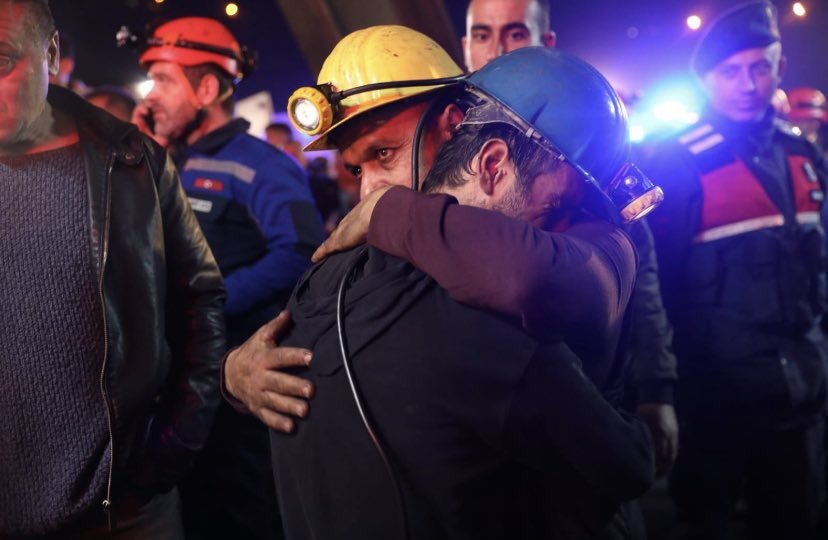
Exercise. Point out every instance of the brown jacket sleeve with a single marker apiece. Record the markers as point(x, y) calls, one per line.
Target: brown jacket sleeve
point(487, 260)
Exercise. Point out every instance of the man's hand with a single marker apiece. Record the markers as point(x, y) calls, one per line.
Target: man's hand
point(353, 229)
point(139, 118)
point(251, 374)
point(661, 419)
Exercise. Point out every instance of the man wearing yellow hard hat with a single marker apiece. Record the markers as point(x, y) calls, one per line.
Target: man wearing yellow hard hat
point(374, 125)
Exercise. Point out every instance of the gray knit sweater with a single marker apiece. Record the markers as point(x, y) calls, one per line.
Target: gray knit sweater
point(54, 442)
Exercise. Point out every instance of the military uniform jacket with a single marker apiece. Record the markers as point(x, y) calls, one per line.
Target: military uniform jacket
point(254, 204)
point(740, 246)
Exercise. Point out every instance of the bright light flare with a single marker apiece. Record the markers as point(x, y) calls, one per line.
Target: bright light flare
point(798, 9)
point(306, 114)
point(231, 9)
point(144, 88)
point(673, 112)
point(694, 22)
point(159, 1)
point(637, 133)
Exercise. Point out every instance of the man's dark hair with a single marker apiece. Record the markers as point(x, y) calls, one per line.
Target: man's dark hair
point(281, 128)
point(39, 19)
point(194, 74)
point(453, 161)
point(115, 97)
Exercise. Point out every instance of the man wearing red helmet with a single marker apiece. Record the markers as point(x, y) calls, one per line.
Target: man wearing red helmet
point(809, 112)
point(254, 204)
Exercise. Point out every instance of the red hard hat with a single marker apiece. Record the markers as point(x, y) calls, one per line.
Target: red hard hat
point(808, 103)
point(191, 41)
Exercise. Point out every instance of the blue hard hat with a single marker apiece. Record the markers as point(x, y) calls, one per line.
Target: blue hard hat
point(574, 109)
point(567, 100)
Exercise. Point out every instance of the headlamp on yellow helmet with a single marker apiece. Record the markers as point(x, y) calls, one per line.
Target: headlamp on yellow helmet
point(314, 109)
point(310, 109)
point(367, 69)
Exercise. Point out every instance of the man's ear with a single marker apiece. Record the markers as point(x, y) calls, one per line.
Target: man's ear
point(491, 164)
point(53, 54)
point(549, 39)
point(208, 90)
point(447, 122)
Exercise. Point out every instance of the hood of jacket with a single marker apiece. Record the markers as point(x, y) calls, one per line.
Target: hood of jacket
point(379, 290)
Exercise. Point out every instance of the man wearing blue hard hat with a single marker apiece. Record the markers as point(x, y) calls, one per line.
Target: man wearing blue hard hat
point(740, 245)
point(451, 455)
point(374, 133)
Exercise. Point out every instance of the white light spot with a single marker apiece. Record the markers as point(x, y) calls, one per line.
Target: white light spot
point(637, 133)
point(694, 22)
point(144, 88)
point(306, 114)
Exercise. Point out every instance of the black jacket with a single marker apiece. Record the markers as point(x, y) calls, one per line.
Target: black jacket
point(469, 409)
point(162, 299)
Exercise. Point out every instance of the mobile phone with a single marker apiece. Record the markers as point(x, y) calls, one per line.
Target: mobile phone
point(149, 119)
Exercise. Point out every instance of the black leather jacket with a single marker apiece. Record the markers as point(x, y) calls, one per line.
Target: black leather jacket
point(162, 299)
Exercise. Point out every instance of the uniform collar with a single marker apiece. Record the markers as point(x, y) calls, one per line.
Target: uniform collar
point(758, 134)
point(216, 140)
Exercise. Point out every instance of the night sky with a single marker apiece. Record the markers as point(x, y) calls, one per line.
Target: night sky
point(636, 43)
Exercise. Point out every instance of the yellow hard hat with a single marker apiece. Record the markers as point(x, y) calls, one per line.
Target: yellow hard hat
point(369, 68)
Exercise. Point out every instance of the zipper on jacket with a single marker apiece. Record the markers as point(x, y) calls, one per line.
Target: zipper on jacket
point(107, 502)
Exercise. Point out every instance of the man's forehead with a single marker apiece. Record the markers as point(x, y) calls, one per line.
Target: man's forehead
point(376, 129)
point(498, 12)
point(12, 22)
point(747, 57)
point(160, 68)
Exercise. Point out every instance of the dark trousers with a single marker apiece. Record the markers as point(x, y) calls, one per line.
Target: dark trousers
point(822, 528)
point(781, 475)
point(230, 491)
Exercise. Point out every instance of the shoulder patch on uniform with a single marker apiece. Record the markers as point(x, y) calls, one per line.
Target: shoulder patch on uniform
point(706, 143)
point(695, 134)
point(207, 165)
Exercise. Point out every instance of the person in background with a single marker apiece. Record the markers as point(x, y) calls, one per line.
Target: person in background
point(278, 134)
point(257, 212)
point(740, 245)
point(324, 191)
point(809, 113)
point(294, 150)
point(115, 100)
